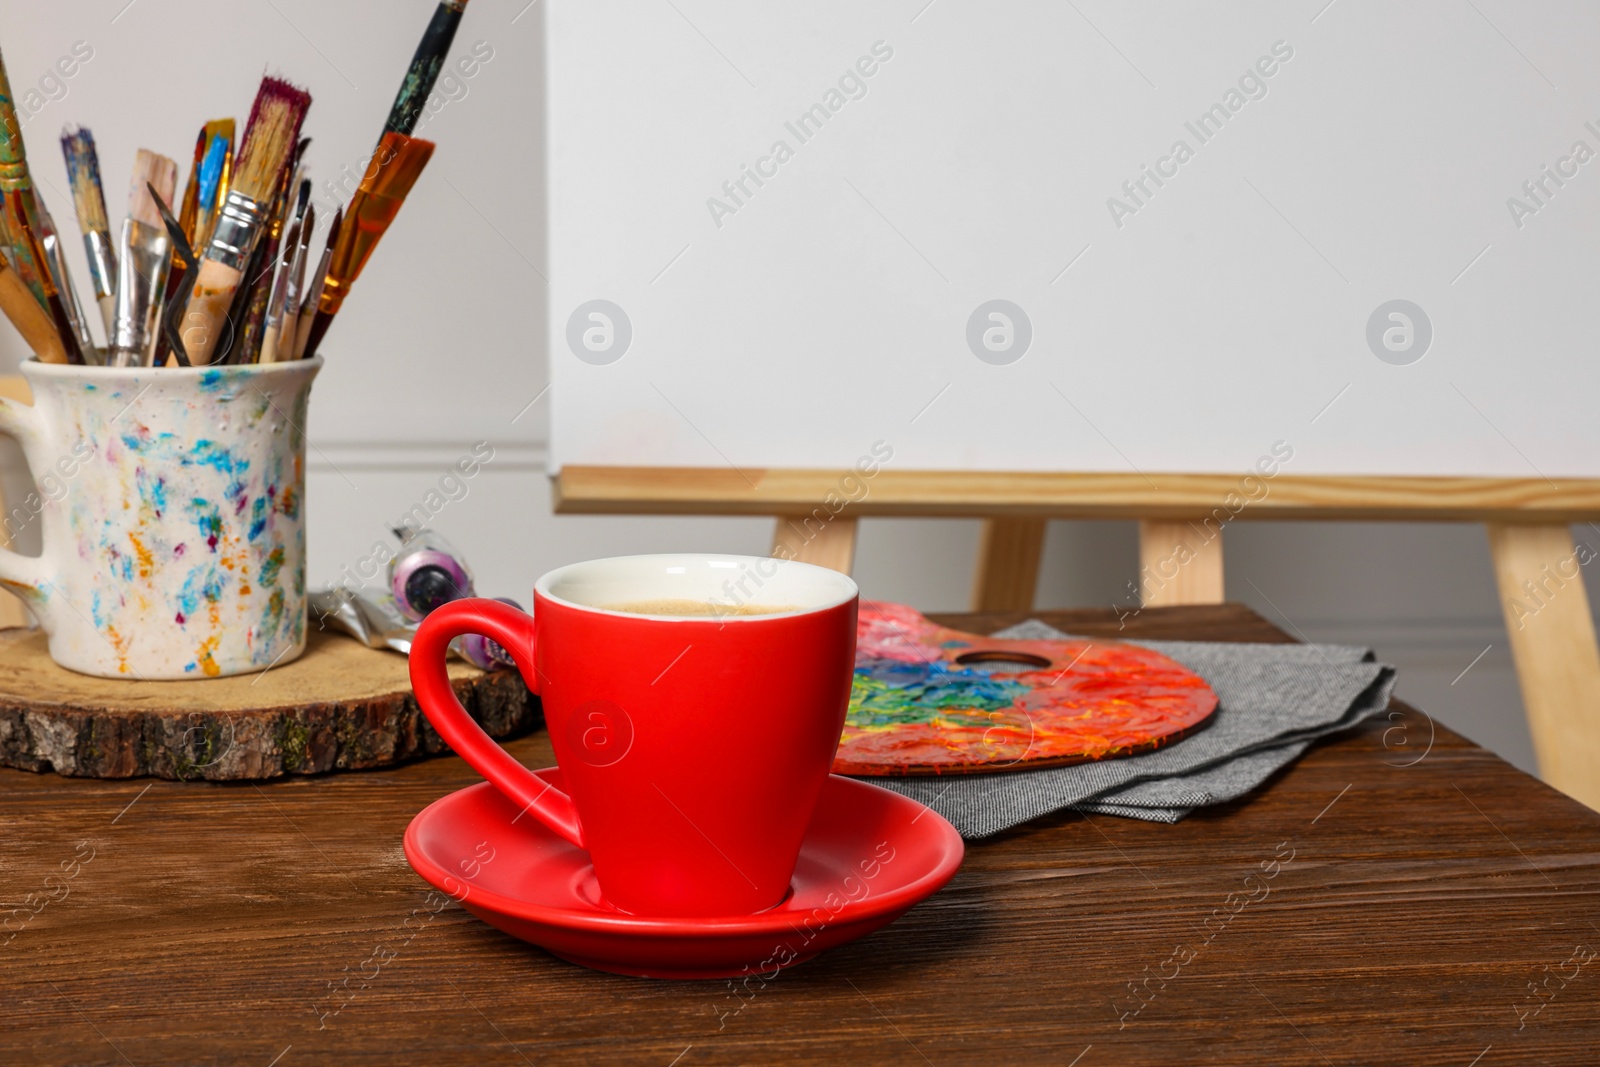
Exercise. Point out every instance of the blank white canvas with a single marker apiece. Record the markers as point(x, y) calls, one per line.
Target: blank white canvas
point(1192, 329)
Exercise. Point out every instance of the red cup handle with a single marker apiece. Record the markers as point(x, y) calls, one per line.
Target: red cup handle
point(515, 632)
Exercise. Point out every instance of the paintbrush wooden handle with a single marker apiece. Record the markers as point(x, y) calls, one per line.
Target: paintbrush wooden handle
point(205, 323)
point(288, 345)
point(302, 329)
point(17, 301)
point(269, 344)
point(108, 311)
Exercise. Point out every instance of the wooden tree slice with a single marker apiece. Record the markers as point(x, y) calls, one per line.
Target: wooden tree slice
point(340, 706)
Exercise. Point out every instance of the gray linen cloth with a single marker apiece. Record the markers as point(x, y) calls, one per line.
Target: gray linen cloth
point(1273, 701)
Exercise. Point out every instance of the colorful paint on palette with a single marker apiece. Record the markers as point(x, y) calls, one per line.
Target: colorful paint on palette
point(930, 700)
point(174, 540)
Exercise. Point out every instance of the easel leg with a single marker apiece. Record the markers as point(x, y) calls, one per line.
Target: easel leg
point(1008, 564)
point(1179, 563)
point(830, 544)
point(1553, 643)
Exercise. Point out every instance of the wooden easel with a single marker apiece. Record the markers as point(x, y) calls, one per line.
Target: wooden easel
point(1558, 664)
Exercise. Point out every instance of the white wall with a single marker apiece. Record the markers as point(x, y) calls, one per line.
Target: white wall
point(415, 377)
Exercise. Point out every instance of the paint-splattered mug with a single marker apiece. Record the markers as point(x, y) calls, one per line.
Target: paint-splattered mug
point(172, 511)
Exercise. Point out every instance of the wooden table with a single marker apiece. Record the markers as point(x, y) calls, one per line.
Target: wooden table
point(1428, 888)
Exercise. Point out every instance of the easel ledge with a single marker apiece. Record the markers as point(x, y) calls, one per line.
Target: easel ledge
point(589, 490)
point(1181, 518)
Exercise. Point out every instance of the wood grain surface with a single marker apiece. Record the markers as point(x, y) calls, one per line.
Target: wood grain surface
point(1430, 884)
point(1009, 551)
point(826, 540)
point(1180, 563)
point(1066, 495)
point(339, 706)
point(1551, 632)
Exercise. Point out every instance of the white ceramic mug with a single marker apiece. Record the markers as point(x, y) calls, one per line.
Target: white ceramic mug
point(172, 510)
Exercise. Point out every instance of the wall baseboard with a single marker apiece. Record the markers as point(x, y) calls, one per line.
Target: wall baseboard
point(425, 458)
point(1410, 638)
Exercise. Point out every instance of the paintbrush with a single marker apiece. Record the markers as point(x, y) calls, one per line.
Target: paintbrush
point(188, 217)
point(319, 281)
point(208, 180)
point(216, 177)
point(295, 288)
point(56, 260)
point(184, 255)
point(21, 210)
point(302, 202)
point(391, 174)
point(142, 262)
point(425, 65)
point(269, 138)
point(25, 236)
point(250, 305)
point(83, 169)
point(189, 209)
point(275, 303)
point(28, 317)
point(283, 310)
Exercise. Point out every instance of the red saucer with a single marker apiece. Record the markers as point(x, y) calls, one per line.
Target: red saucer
point(869, 856)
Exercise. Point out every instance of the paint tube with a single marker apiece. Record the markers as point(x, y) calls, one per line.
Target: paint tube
point(482, 652)
point(427, 573)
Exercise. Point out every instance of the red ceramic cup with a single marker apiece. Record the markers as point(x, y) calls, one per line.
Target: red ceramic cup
point(693, 747)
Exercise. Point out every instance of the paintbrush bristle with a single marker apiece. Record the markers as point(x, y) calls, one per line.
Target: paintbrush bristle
point(334, 227)
point(269, 138)
point(151, 169)
point(199, 155)
point(83, 170)
point(291, 242)
point(218, 158)
point(211, 171)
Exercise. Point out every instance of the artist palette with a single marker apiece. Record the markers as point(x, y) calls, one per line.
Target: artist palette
point(929, 700)
point(869, 856)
